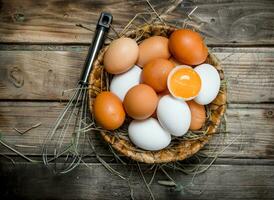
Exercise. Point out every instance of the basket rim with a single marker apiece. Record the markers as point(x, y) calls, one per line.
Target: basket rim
point(185, 148)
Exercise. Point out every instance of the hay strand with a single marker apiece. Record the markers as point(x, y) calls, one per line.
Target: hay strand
point(144, 179)
point(32, 127)
point(159, 17)
point(5, 144)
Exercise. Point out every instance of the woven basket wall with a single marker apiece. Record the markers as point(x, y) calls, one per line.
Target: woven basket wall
point(182, 149)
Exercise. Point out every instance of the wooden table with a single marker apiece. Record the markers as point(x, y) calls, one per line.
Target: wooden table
point(41, 54)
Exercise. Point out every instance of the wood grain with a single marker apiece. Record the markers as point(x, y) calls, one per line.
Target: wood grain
point(229, 22)
point(249, 73)
point(34, 75)
point(53, 21)
point(249, 140)
point(219, 182)
point(39, 74)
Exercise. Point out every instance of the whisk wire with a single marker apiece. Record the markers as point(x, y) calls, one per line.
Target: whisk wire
point(74, 114)
point(68, 120)
point(72, 122)
point(74, 159)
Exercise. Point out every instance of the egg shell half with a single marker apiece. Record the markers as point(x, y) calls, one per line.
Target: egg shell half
point(210, 84)
point(148, 134)
point(174, 115)
point(184, 83)
point(121, 83)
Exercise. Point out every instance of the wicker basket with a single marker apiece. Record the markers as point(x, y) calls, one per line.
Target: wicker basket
point(183, 149)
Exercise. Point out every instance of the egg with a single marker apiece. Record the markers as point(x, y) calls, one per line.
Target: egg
point(140, 101)
point(174, 115)
point(210, 84)
point(108, 111)
point(148, 134)
point(151, 48)
point(121, 83)
point(155, 73)
point(121, 55)
point(188, 47)
point(198, 115)
point(184, 82)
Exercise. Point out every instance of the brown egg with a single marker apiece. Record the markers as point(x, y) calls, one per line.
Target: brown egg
point(155, 73)
point(140, 101)
point(151, 48)
point(108, 111)
point(188, 47)
point(198, 115)
point(121, 55)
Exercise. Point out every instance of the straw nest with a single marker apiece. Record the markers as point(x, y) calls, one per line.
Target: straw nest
point(180, 148)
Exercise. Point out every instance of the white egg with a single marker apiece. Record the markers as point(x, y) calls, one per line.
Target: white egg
point(210, 83)
point(148, 134)
point(174, 115)
point(121, 83)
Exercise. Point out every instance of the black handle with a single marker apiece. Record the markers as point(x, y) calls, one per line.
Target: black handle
point(102, 28)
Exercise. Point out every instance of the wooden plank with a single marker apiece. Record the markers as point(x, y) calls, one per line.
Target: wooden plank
point(26, 180)
point(249, 129)
point(252, 125)
point(39, 74)
point(249, 73)
point(35, 74)
point(55, 21)
point(229, 22)
point(225, 22)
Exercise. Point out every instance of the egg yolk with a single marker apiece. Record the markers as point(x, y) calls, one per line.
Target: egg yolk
point(184, 83)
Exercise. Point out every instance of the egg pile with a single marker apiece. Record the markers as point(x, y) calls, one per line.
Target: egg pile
point(162, 84)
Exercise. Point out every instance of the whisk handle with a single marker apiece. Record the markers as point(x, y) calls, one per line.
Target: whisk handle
point(102, 28)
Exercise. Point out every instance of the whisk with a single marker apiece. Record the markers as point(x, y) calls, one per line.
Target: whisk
point(72, 122)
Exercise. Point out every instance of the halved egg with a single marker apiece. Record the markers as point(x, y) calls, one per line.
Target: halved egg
point(184, 82)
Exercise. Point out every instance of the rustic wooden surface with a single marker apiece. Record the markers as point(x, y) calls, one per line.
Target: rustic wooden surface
point(41, 54)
